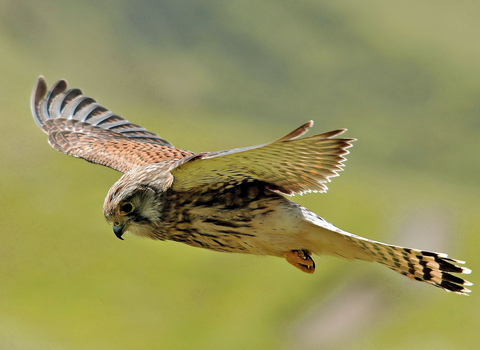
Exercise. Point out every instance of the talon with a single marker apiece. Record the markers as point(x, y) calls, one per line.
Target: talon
point(301, 259)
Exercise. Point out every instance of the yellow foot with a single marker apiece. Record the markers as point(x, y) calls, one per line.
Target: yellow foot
point(301, 260)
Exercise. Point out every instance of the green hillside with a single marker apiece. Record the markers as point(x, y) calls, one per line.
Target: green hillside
point(403, 77)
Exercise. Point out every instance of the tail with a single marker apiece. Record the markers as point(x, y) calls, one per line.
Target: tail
point(419, 265)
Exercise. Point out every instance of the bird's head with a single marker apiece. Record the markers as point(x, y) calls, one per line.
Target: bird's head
point(134, 203)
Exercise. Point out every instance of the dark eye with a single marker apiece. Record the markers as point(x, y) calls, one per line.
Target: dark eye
point(126, 208)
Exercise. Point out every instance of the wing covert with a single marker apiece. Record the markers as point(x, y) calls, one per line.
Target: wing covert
point(77, 125)
point(291, 166)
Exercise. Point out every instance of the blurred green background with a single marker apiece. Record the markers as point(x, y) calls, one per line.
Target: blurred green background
point(403, 77)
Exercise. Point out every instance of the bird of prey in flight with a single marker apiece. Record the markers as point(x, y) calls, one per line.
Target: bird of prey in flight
point(228, 201)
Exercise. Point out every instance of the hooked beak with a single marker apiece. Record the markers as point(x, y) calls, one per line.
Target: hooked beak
point(118, 230)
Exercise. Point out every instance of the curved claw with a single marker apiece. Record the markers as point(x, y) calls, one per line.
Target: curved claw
point(301, 259)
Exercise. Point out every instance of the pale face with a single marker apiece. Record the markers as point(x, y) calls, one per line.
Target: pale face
point(133, 210)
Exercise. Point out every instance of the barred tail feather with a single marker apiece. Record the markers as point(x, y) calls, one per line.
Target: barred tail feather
point(419, 265)
point(323, 238)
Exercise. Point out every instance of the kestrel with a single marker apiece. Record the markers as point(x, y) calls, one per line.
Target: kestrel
point(228, 201)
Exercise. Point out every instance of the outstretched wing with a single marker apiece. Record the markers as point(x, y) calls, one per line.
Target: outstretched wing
point(78, 126)
point(290, 166)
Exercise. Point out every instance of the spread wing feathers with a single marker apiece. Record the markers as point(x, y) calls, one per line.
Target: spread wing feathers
point(290, 166)
point(77, 125)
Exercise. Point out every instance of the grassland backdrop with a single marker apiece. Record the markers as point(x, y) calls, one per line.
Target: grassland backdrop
point(403, 77)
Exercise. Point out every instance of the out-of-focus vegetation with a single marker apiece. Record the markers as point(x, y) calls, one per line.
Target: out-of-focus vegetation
point(403, 77)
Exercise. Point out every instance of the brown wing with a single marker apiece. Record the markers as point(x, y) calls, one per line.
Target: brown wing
point(290, 166)
point(77, 125)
